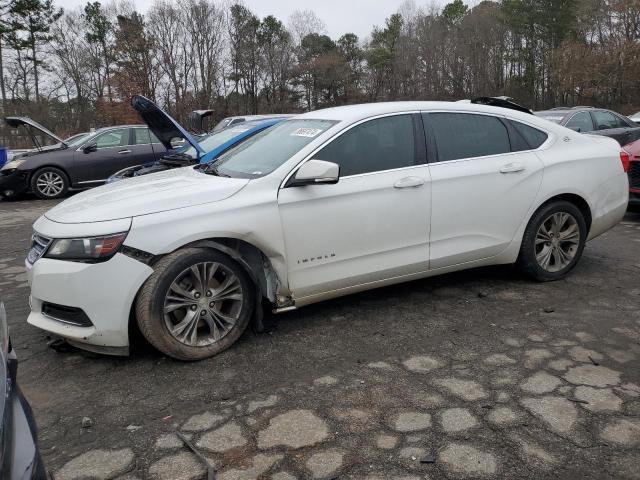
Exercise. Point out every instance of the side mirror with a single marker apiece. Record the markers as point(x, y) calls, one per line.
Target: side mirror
point(315, 172)
point(92, 147)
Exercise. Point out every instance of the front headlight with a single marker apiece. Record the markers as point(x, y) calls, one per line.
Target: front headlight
point(93, 249)
point(13, 164)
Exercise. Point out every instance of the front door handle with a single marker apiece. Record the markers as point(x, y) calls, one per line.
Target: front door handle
point(512, 168)
point(409, 182)
point(121, 152)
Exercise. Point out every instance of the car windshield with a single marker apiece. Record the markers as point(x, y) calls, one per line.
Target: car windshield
point(224, 123)
point(267, 150)
point(76, 140)
point(213, 141)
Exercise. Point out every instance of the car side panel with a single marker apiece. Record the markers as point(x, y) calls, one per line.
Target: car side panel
point(589, 167)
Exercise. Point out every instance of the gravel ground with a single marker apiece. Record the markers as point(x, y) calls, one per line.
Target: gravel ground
point(479, 374)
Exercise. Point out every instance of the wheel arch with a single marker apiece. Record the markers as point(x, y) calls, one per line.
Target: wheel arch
point(576, 200)
point(251, 258)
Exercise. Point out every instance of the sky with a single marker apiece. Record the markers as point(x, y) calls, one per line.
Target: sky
point(340, 16)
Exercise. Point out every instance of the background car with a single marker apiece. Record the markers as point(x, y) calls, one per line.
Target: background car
point(596, 121)
point(633, 171)
point(86, 162)
point(20, 459)
point(230, 121)
point(201, 149)
point(635, 118)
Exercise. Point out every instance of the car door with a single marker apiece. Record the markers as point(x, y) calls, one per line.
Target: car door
point(632, 129)
point(145, 148)
point(374, 223)
point(481, 188)
point(608, 124)
point(102, 155)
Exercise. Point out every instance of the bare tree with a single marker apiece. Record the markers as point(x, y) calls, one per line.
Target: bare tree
point(206, 37)
point(168, 25)
point(305, 22)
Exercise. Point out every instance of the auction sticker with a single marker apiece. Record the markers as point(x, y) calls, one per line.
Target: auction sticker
point(307, 132)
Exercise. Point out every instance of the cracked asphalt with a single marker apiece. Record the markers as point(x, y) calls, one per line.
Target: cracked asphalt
point(478, 374)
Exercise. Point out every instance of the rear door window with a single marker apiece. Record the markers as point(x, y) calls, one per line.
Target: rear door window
point(141, 136)
point(466, 135)
point(580, 122)
point(606, 120)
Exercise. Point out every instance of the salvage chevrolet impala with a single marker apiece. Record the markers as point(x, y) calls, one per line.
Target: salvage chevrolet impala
point(321, 205)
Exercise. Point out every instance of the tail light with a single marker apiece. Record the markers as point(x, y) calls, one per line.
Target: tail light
point(624, 158)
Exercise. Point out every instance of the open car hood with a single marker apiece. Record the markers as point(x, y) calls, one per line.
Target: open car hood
point(161, 124)
point(504, 102)
point(15, 122)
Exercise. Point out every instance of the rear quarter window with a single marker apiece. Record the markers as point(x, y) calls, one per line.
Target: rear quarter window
point(533, 137)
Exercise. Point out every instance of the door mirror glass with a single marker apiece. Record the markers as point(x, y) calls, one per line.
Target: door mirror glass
point(91, 147)
point(316, 172)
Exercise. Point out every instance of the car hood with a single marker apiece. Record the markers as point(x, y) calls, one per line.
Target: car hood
point(161, 123)
point(15, 122)
point(158, 192)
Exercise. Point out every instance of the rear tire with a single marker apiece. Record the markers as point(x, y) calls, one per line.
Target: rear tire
point(49, 183)
point(196, 304)
point(553, 241)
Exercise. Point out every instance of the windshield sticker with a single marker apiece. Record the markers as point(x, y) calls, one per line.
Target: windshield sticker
point(307, 132)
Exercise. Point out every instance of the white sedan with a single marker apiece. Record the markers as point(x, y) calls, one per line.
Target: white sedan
point(321, 205)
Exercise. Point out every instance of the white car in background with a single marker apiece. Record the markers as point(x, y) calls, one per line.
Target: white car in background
point(321, 205)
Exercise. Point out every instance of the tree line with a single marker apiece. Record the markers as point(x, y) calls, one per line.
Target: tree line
point(75, 70)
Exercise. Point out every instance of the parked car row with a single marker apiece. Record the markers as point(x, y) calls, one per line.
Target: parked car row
point(314, 207)
point(90, 159)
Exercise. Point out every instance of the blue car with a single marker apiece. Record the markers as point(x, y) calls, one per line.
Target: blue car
point(195, 150)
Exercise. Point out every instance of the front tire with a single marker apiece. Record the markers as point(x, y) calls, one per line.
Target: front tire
point(553, 241)
point(196, 304)
point(49, 183)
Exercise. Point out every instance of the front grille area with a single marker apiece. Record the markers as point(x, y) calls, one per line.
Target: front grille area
point(62, 313)
point(39, 245)
point(634, 174)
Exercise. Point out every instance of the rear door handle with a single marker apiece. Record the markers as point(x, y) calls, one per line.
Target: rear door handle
point(512, 168)
point(124, 151)
point(409, 182)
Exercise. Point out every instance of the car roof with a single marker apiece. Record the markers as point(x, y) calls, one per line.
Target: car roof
point(354, 113)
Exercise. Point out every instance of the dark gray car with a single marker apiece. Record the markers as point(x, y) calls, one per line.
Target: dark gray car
point(595, 121)
point(51, 171)
point(19, 454)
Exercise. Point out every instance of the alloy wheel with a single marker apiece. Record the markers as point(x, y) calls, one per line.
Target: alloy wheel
point(557, 241)
point(203, 304)
point(50, 184)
